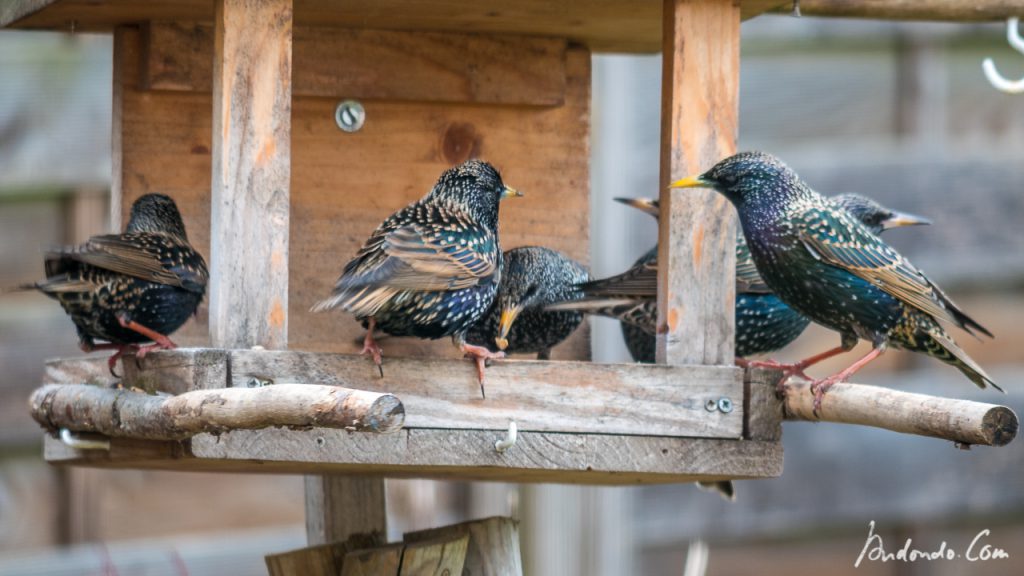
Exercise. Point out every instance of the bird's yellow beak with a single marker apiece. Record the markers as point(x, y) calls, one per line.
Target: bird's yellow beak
point(510, 192)
point(903, 219)
point(508, 317)
point(691, 182)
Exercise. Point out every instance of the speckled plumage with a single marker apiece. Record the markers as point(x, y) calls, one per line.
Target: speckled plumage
point(149, 276)
point(431, 269)
point(531, 278)
point(829, 267)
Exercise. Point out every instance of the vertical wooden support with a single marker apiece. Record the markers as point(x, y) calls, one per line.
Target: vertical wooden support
point(696, 254)
point(251, 149)
point(339, 506)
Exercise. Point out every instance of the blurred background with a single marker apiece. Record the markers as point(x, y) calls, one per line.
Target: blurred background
point(900, 112)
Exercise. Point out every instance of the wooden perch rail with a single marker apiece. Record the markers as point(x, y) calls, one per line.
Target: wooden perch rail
point(961, 421)
point(130, 414)
point(936, 10)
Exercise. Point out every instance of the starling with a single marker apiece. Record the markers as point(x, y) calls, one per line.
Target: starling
point(531, 278)
point(829, 267)
point(131, 288)
point(431, 269)
point(763, 322)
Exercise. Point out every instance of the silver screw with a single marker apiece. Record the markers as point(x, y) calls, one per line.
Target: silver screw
point(725, 405)
point(255, 382)
point(711, 405)
point(349, 115)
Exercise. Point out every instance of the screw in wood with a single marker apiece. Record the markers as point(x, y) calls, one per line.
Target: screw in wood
point(725, 405)
point(349, 115)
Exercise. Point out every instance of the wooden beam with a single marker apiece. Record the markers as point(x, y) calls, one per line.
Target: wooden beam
point(436, 557)
point(129, 414)
point(961, 421)
point(252, 103)
point(696, 240)
point(493, 546)
point(936, 10)
point(380, 561)
point(595, 459)
point(321, 560)
point(378, 64)
point(339, 507)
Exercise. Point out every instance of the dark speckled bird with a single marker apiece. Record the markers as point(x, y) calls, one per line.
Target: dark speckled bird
point(831, 268)
point(131, 288)
point(531, 278)
point(764, 323)
point(431, 269)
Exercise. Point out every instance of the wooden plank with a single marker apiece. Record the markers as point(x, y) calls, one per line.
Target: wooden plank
point(762, 405)
point(538, 396)
point(493, 547)
point(252, 103)
point(938, 10)
point(344, 184)
point(382, 561)
point(696, 241)
point(446, 454)
point(321, 560)
point(620, 26)
point(379, 64)
point(438, 557)
point(339, 507)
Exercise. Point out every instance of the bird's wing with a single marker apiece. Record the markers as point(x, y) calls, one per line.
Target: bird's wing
point(151, 257)
point(838, 240)
point(640, 281)
point(748, 279)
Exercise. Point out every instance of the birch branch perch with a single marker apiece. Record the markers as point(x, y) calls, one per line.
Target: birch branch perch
point(129, 414)
point(962, 421)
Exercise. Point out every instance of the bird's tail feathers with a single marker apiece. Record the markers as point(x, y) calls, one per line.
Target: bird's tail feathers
point(361, 301)
point(597, 306)
point(941, 346)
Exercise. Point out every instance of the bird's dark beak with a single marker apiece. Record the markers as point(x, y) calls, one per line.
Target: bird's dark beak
point(508, 317)
point(692, 182)
point(897, 219)
point(647, 205)
point(510, 192)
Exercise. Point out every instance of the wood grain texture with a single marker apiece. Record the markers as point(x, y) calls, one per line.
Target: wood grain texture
point(378, 64)
point(961, 421)
point(251, 154)
point(340, 507)
point(493, 548)
point(440, 556)
point(538, 396)
point(131, 414)
point(445, 454)
point(320, 560)
point(343, 184)
point(381, 561)
point(763, 406)
point(619, 26)
point(696, 239)
point(939, 10)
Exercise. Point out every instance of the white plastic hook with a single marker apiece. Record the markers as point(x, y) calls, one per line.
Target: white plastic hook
point(509, 440)
point(68, 437)
point(989, 67)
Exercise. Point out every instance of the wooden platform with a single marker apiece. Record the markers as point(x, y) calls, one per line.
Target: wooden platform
point(620, 26)
point(616, 424)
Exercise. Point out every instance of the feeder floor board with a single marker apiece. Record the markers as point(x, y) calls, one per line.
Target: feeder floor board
point(619, 26)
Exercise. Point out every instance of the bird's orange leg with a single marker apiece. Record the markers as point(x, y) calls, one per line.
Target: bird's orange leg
point(371, 347)
point(820, 387)
point(160, 341)
point(112, 361)
point(797, 368)
point(481, 355)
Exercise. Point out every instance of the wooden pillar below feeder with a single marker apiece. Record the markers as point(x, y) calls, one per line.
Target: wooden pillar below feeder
point(252, 99)
point(338, 507)
point(697, 237)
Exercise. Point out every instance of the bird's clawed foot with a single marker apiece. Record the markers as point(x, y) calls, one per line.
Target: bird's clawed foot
point(371, 347)
point(819, 388)
point(788, 370)
point(162, 343)
point(481, 355)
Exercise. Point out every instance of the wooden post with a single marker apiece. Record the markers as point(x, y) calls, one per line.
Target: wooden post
point(697, 236)
point(338, 507)
point(251, 148)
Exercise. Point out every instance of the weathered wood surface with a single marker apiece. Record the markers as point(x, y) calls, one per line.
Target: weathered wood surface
point(962, 421)
point(339, 507)
point(940, 10)
point(132, 414)
point(322, 560)
point(344, 184)
point(445, 454)
point(441, 556)
point(696, 239)
point(493, 548)
point(538, 396)
point(378, 64)
point(762, 405)
point(251, 151)
point(381, 561)
point(621, 26)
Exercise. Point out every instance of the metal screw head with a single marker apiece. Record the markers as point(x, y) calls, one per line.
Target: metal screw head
point(257, 382)
point(711, 405)
point(349, 115)
point(725, 405)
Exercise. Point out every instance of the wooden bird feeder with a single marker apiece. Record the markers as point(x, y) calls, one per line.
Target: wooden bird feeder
point(287, 129)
